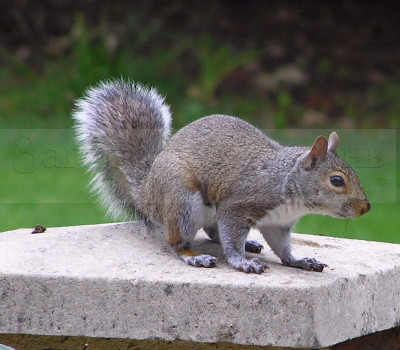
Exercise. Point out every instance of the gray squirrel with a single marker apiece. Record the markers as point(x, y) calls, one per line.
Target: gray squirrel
point(218, 173)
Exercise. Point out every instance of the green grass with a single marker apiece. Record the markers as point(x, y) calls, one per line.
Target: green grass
point(42, 180)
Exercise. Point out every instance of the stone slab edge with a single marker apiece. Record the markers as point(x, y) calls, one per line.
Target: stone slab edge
point(112, 281)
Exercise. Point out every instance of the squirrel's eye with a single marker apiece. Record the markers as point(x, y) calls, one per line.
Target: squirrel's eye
point(337, 181)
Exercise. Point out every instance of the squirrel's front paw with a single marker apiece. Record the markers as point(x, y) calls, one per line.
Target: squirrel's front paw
point(250, 266)
point(309, 264)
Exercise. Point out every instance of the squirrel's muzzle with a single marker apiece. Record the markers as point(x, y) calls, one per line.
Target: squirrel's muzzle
point(361, 208)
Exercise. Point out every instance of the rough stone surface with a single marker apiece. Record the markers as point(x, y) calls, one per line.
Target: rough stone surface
point(114, 281)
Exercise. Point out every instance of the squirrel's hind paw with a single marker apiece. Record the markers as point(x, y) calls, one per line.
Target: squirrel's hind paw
point(250, 266)
point(192, 259)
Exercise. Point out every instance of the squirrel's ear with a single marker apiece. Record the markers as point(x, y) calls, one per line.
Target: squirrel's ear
point(316, 154)
point(333, 142)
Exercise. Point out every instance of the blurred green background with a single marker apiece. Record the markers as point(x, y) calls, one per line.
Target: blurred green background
point(289, 68)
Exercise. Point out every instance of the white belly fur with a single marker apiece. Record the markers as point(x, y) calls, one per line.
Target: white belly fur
point(205, 214)
point(284, 214)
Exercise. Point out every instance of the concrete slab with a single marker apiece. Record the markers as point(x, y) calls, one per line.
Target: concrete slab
point(113, 281)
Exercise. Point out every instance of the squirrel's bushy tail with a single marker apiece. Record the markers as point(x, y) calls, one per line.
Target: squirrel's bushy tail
point(121, 127)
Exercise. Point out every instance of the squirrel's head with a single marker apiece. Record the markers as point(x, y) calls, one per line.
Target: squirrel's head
point(331, 186)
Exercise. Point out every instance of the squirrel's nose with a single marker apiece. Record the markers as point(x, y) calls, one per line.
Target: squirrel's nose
point(365, 208)
point(360, 208)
